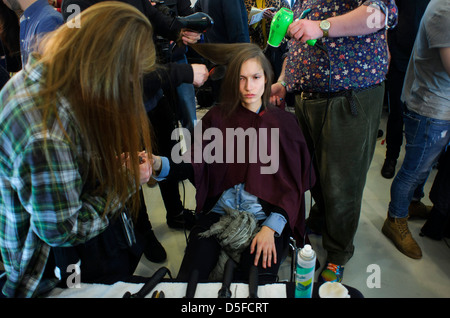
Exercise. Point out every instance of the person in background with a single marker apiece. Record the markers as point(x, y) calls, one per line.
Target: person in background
point(164, 25)
point(401, 42)
point(10, 60)
point(37, 19)
point(230, 20)
point(437, 225)
point(177, 104)
point(73, 134)
point(426, 95)
point(339, 91)
point(230, 26)
point(174, 52)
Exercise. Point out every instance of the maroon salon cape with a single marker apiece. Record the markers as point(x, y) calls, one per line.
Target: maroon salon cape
point(284, 188)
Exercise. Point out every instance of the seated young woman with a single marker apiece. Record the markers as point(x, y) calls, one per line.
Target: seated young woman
point(250, 166)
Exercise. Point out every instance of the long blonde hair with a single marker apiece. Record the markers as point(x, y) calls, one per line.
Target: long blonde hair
point(98, 68)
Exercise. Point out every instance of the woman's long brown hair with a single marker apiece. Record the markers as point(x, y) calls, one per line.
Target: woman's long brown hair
point(98, 67)
point(233, 56)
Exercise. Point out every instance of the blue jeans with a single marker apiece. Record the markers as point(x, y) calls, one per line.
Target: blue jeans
point(426, 139)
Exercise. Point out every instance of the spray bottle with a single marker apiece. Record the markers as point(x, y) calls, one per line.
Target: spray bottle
point(304, 278)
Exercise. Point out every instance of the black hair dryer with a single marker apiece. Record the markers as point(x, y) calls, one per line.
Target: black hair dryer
point(199, 22)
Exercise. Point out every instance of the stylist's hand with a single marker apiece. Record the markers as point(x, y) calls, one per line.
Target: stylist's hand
point(157, 164)
point(304, 30)
point(145, 168)
point(264, 246)
point(189, 37)
point(201, 74)
point(277, 94)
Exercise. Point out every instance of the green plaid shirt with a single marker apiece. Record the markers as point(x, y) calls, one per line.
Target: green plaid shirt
point(43, 199)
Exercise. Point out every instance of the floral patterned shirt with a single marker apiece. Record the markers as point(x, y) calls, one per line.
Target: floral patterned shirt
point(355, 61)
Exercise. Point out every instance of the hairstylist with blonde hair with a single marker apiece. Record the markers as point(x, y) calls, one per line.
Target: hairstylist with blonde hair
point(65, 122)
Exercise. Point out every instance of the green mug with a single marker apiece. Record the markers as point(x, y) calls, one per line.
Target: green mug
point(279, 25)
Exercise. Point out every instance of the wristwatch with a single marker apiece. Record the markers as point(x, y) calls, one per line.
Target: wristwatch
point(325, 27)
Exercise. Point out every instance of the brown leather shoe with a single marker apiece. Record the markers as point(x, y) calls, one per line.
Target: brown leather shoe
point(419, 210)
point(396, 229)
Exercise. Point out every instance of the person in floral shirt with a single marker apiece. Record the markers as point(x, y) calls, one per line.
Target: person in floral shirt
point(339, 87)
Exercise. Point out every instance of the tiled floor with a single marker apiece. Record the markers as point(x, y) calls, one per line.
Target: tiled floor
point(377, 269)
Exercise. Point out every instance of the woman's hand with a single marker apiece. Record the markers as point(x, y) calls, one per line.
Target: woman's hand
point(145, 168)
point(189, 37)
point(264, 243)
point(277, 94)
point(201, 74)
point(157, 164)
point(303, 30)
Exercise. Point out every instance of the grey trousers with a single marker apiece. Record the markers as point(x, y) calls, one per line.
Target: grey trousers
point(342, 144)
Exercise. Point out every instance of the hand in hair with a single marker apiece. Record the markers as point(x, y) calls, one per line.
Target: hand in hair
point(145, 166)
